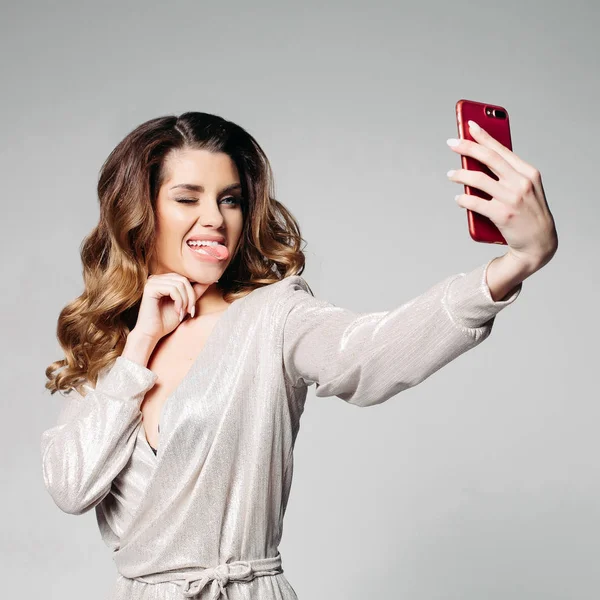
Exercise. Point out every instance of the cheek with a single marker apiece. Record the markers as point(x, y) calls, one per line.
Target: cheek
point(171, 229)
point(235, 222)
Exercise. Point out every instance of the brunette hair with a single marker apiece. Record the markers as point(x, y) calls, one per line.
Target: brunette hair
point(93, 328)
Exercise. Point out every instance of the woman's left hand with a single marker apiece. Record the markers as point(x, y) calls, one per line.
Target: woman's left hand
point(518, 204)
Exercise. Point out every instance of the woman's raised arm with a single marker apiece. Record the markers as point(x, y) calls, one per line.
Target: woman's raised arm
point(366, 358)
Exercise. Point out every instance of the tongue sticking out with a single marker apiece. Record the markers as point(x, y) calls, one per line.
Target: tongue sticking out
point(221, 252)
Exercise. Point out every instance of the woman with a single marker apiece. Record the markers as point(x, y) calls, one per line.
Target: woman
point(188, 362)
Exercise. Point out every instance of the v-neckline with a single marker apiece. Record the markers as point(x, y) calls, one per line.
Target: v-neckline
point(192, 368)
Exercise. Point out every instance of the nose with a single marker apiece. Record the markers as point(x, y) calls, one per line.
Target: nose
point(209, 215)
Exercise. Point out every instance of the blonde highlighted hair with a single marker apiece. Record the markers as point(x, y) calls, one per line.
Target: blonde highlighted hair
point(93, 328)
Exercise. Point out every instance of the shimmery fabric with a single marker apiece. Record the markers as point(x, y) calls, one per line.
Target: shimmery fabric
point(203, 517)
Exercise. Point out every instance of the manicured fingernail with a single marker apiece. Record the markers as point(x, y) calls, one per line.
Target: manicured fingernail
point(193, 311)
point(473, 125)
point(450, 172)
point(181, 315)
point(452, 142)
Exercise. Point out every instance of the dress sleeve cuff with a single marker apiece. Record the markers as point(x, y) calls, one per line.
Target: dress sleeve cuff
point(469, 301)
point(126, 379)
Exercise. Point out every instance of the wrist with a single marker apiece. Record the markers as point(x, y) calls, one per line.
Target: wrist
point(525, 265)
point(504, 275)
point(139, 347)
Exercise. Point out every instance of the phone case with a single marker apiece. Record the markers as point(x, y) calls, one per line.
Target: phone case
point(490, 118)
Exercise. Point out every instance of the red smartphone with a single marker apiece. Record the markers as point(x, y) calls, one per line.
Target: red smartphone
point(494, 119)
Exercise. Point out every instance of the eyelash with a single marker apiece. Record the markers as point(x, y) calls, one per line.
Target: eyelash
point(192, 201)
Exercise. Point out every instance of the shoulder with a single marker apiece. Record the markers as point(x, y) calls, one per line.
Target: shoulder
point(290, 291)
point(277, 299)
point(274, 301)
point(282, 289)
point(292, 283)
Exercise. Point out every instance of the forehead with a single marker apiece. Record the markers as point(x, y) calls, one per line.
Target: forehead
point(200, 167)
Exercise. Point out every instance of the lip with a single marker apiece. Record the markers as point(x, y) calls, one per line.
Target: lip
point(210, 238)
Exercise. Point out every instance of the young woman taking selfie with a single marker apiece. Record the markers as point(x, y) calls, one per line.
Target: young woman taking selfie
point(188, 355)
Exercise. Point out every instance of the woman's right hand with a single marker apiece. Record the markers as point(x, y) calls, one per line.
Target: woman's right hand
point(166, 300)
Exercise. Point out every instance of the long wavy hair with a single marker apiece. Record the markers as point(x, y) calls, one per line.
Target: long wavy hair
point(93, 328)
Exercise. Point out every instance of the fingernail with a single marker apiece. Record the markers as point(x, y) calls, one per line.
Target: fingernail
point(473, 125)
point(193, 311)
point(181, 315)
point(452, 142)
point(450, 172)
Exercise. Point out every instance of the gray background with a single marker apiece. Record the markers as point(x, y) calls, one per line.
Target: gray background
point(482, 481)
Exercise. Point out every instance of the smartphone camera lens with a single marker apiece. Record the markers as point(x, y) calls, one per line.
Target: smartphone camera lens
point(495, 113)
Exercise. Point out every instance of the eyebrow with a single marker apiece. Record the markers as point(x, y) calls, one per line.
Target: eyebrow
point(192, 187)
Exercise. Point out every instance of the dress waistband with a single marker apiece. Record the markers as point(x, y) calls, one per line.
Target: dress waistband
point(193, 582)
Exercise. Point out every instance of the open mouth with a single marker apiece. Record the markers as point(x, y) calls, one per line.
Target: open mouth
point(212, 250)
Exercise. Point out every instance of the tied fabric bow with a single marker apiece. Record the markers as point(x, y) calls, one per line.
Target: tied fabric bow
point(220, 575)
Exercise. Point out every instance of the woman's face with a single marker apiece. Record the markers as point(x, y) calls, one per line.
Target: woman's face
point(208, 184)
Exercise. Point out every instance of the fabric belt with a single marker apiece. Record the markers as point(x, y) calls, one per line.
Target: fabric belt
point(193, 582)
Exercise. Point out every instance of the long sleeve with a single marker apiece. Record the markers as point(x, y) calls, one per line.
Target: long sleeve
point(366, 358)
point(92, 441)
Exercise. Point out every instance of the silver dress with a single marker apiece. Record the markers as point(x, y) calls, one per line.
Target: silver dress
point(203, 517)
